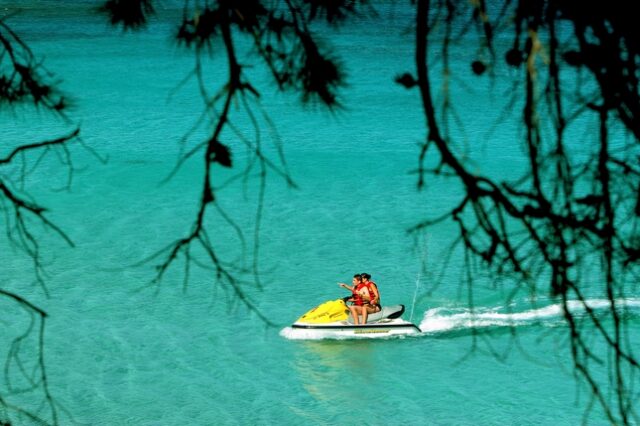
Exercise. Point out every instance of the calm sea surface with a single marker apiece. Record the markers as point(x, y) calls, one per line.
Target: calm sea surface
point(121, 351)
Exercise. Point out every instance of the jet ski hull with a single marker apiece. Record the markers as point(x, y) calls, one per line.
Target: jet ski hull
point(345, 330)
point(332, 320)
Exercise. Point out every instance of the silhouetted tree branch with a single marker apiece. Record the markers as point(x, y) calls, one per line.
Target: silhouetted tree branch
point(24, 80)
point(564, 213)
point(286, 46)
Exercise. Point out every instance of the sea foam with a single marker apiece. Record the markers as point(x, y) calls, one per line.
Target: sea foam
point(438, 320)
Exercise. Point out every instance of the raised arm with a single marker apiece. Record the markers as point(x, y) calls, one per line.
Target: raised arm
point(343, 285)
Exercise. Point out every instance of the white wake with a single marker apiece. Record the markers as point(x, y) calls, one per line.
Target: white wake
point(438, 320)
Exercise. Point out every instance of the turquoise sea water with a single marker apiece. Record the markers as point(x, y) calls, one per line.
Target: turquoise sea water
point(120, 351)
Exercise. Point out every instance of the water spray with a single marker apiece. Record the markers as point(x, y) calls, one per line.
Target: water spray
point(423, 260)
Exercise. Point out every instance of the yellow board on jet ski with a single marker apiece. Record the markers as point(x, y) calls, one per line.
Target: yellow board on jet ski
point(331, 311)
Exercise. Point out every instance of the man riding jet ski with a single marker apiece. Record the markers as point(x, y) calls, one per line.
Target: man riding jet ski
point(365, 297)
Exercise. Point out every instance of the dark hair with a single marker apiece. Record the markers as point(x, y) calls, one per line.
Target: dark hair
point(365, 275)
point(358, 276)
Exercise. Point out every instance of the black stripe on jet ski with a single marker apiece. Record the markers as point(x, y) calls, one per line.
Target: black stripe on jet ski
point(353, 327)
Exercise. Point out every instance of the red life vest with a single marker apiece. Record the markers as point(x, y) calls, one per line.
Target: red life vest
point(357, 298)
point(371, 286)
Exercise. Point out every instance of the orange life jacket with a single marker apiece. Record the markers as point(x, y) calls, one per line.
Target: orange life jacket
point(373, 286)
point(357, 298)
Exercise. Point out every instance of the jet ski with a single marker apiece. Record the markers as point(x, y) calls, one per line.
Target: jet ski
point(333, 320)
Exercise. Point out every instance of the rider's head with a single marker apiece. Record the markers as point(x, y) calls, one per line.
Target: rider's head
point(365, 276)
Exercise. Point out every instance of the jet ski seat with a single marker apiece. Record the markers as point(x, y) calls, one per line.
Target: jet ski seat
point(387, 312)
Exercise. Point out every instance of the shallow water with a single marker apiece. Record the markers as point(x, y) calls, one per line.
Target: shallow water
point(120, 351)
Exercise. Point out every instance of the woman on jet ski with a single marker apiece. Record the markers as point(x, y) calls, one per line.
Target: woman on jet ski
point(374, 294)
